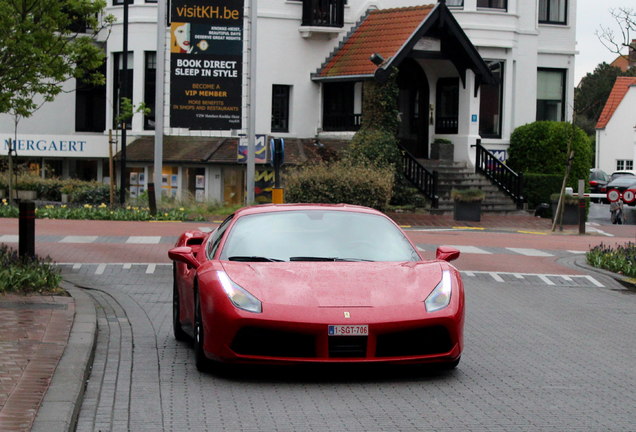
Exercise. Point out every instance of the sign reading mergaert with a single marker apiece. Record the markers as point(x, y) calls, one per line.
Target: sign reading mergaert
point(206, 58)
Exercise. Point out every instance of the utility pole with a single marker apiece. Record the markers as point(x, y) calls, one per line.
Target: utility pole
point(159, 95)
point(123, 89)
point(251, 124)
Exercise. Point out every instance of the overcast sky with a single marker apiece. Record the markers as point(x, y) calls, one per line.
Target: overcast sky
point(591, 14)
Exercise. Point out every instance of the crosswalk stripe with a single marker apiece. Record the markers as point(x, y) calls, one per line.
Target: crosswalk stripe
point(143, 240)
point(545, 279)
point(471, 250)
point(78, 239)
point(151, 268)
point(530, 252)
point(496, 277)
point(100, 269)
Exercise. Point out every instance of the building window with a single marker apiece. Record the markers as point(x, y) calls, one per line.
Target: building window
point(624, 164)
point(492, 4)
point(90, 105)
point(280, 108)
point(118, 92)
point(323, 13)
point(551, 94)
point(150, 84)
point(455, 3)
point(447, 112)
point(340, 111)
point(121, 2)
point(491, 103)
point(553, 11)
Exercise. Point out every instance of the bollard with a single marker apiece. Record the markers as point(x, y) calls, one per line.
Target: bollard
point(278, 196)
point(581, 206)
point(26, 242)
point(152, 200)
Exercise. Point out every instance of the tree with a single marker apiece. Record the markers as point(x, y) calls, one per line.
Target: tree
point(592, 93)
point(626, 20)
point(44, 43)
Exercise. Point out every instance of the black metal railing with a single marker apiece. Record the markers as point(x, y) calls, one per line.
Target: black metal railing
point(422, 178)
point(323, 13)
point(341, 122)
point(500, 174)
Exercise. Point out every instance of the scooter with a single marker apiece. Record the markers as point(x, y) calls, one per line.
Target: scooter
point(616, 212)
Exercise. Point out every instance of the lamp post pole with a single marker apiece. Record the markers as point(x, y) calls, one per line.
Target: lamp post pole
point(123, 92)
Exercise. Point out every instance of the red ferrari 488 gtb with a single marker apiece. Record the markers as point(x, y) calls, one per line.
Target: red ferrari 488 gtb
point(299, 283)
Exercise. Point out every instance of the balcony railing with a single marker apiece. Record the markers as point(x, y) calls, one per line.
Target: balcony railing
point(323, 13)
point(341, 122)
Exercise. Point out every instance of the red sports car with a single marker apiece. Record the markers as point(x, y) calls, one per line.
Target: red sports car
point(298, 283)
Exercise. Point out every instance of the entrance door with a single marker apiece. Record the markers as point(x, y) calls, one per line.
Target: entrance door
point(413, 106)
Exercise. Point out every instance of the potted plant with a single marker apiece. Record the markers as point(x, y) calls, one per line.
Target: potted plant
point(467, 204)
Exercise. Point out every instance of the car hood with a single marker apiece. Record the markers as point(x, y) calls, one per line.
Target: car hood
point(337, 284)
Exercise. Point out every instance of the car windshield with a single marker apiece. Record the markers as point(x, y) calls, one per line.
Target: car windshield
point(316, 235)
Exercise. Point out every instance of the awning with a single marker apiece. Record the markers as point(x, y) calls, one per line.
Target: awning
point(428, 31)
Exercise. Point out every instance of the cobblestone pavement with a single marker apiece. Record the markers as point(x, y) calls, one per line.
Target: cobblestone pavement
point(33, 335)
point(549, 353)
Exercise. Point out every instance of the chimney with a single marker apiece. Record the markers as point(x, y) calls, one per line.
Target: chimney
point(631, 57)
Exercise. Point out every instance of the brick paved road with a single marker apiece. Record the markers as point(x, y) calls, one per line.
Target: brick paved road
point(548, 353)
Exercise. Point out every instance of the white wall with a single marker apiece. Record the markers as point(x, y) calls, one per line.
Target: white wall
point(618, 140)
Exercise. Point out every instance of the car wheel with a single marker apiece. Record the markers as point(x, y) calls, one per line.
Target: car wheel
point(200, 360)
point(179, 334)
point(451, 365)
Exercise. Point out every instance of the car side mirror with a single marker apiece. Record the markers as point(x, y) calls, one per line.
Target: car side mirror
point(446, 253)
point(185, 255)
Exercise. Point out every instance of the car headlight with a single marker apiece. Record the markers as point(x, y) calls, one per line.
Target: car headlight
point(238, 295)
point(441, 295)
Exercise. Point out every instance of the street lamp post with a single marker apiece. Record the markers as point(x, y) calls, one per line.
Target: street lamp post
point(123, 90)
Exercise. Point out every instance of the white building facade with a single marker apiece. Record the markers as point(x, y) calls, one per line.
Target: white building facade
point(527, 45)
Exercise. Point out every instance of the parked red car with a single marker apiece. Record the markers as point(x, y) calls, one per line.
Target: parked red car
point(292, 284)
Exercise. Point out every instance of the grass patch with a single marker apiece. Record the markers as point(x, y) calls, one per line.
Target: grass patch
point(620, 259)
point(27, 274)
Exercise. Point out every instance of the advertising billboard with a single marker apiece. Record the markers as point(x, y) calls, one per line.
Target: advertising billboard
point(206, 64)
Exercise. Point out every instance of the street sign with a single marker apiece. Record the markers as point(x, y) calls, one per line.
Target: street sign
point(613, 195)
point(629, 196)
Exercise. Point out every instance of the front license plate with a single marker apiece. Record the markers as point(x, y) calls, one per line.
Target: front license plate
point(348, 330)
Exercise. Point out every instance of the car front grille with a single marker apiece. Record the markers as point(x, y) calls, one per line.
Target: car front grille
point(415, 342)
point(348, 346)
point(273, 343)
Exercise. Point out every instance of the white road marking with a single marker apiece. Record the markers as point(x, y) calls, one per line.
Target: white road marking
point(127, 266)
point(100, 269)
point(206, 229)
point(530, 252)
point(471, 250)
point(77, 266)
point(151, 268)
point(496, 277)
point(594, 281)
point(78, 239)
point(143, 240)
point(545, 279)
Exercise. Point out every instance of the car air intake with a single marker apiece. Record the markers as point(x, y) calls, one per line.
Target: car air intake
point(348, 346)
point(273, 343)
point(415, 342)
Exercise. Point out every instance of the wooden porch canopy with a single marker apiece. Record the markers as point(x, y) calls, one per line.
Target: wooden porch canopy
point(420, 32)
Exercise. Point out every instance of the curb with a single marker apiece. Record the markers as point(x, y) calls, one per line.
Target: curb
point(625, 281)
point(61, 404)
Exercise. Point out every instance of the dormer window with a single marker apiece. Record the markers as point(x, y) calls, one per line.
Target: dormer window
point(323, 13)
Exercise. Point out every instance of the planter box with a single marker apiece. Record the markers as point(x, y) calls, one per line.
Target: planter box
point(570, 213)
point(27, 195)
point(442, 151)
point(467, 211)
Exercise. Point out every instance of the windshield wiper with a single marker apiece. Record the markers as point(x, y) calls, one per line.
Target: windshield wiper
point(308, 258)
point(253, 259)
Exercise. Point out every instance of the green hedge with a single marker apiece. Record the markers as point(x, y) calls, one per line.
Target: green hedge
point(340, 182)
point(537, 188)
point(541, 148)
point(51, 189)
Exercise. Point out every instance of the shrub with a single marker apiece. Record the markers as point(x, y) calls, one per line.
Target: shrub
point(27, 274)
point(340, 182)
point(468, 195)
point(621, 259)
point(541, 148)
point(538, 188)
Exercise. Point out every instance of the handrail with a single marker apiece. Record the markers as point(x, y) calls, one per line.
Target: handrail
point(422, 178)
point(500, 174)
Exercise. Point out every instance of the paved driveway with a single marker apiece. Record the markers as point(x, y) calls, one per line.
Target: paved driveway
point(549, 353)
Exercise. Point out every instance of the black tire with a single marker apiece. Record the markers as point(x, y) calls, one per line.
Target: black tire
point(177, 329)
point(200, 360)
point(451, 365)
